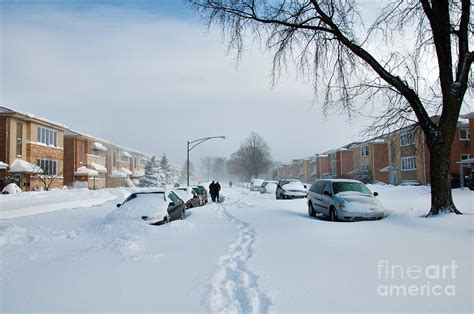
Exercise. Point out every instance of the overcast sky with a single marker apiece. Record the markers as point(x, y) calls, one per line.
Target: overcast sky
point(150, 77)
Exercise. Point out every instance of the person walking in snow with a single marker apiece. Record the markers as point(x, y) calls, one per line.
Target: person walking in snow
point(218, 188)
point(212, 190)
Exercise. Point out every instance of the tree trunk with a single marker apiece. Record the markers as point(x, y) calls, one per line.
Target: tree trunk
point(440, 160)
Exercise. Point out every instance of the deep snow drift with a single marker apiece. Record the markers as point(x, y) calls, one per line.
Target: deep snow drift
point(251, 253)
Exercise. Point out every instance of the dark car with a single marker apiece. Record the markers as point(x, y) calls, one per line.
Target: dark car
point(188, 195)
point(290, 188)
point(154, 207)
point(202, 193)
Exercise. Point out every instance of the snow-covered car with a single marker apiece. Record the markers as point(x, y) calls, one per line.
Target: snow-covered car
point(153, 207)
point(189, 196)
point(269, 187)
point(341, 199)
point(290, 188)
point(256, 184)
point(201, 192)
point(11, 188)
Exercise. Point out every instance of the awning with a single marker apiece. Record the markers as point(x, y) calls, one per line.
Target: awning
point(466, 161)
point(138, 174)
point(126, 171)
point(126, 154)
point(84, 171)
point(98, 167)
point(99, 146)
point(3, 165)
point(118, 174)
point(22, 166)
point(388, 168)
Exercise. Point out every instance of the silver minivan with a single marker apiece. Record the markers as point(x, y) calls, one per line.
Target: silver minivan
point(343, 199)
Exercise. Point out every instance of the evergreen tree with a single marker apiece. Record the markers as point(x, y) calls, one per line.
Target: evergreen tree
point(152, 173)
point(165, 172)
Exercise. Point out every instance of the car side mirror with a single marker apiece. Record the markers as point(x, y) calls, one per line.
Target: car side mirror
point(327, 193)
point(376, 193)
point(118, 205)
point(171, 204)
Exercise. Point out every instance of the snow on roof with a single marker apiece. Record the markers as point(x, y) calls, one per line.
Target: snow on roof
point(126, 154)
point(3, 165)
point(99, 146)
point(98, 167)
point(126, 171)
point(118, 174)
point(86, 171)
point(23, 166)
point(138, 174)
point(32, 116)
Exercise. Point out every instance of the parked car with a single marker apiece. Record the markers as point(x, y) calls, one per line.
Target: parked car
point(153, 207)
point(256, 184)
point(269, 187)
point(343, 199)
point(189, 196)
point(11, 188)
point(201, 192)
point(290, 188)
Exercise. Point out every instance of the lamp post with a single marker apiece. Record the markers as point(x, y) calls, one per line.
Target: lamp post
point(193, 144)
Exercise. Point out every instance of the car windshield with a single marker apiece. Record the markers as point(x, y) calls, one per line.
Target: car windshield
point(339, 187)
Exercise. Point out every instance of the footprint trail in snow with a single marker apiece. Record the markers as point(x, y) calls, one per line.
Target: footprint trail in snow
point(234, 287)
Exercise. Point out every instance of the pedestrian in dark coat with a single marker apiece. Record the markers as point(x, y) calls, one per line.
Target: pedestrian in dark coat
point(212, 190)
point(218, 188)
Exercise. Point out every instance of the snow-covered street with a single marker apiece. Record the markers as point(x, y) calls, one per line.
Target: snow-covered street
point(251, 253)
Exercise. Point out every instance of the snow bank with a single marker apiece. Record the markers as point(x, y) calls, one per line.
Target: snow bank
point(32, 203)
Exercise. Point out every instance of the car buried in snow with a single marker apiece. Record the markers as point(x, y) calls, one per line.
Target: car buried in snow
point(343, 199)
point(269, 187)
point(290, 188)
point(201, 192)
point(188, 195)
point(153, 207)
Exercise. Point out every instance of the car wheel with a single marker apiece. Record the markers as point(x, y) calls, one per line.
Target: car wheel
point(311, 210)
point(333, 214)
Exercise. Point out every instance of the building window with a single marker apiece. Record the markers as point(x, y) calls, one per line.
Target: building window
point(364, 151)
point(142, 162)
point(19, 139)
point(365, 168)
point(407, 139)
point(81, 152)
point(408, 163)
point(96, 152)
point(114, 158)
point(124, 158)
point(47, 136)
point(465, 156)
point(464, 135)
point(49, 167)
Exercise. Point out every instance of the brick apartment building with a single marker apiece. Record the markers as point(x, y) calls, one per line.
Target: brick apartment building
point(33, 148)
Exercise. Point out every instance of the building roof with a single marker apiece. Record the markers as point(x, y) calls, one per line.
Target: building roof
point(28, 116)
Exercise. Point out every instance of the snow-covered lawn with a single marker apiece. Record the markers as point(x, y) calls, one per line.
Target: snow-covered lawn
point(251, 253)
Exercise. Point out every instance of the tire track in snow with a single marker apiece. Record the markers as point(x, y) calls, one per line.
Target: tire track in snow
point(234, 287)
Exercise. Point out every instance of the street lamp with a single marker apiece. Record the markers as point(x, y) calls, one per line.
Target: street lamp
point(196, 143)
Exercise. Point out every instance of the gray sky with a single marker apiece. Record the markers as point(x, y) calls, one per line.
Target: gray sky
point(152, 79)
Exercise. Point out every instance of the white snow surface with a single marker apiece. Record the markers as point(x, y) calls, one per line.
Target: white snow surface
point(19, 165)
point(249, 254)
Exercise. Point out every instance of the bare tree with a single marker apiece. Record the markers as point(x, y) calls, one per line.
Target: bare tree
point(328, 41)
point(252, 158)
point(48, 171)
